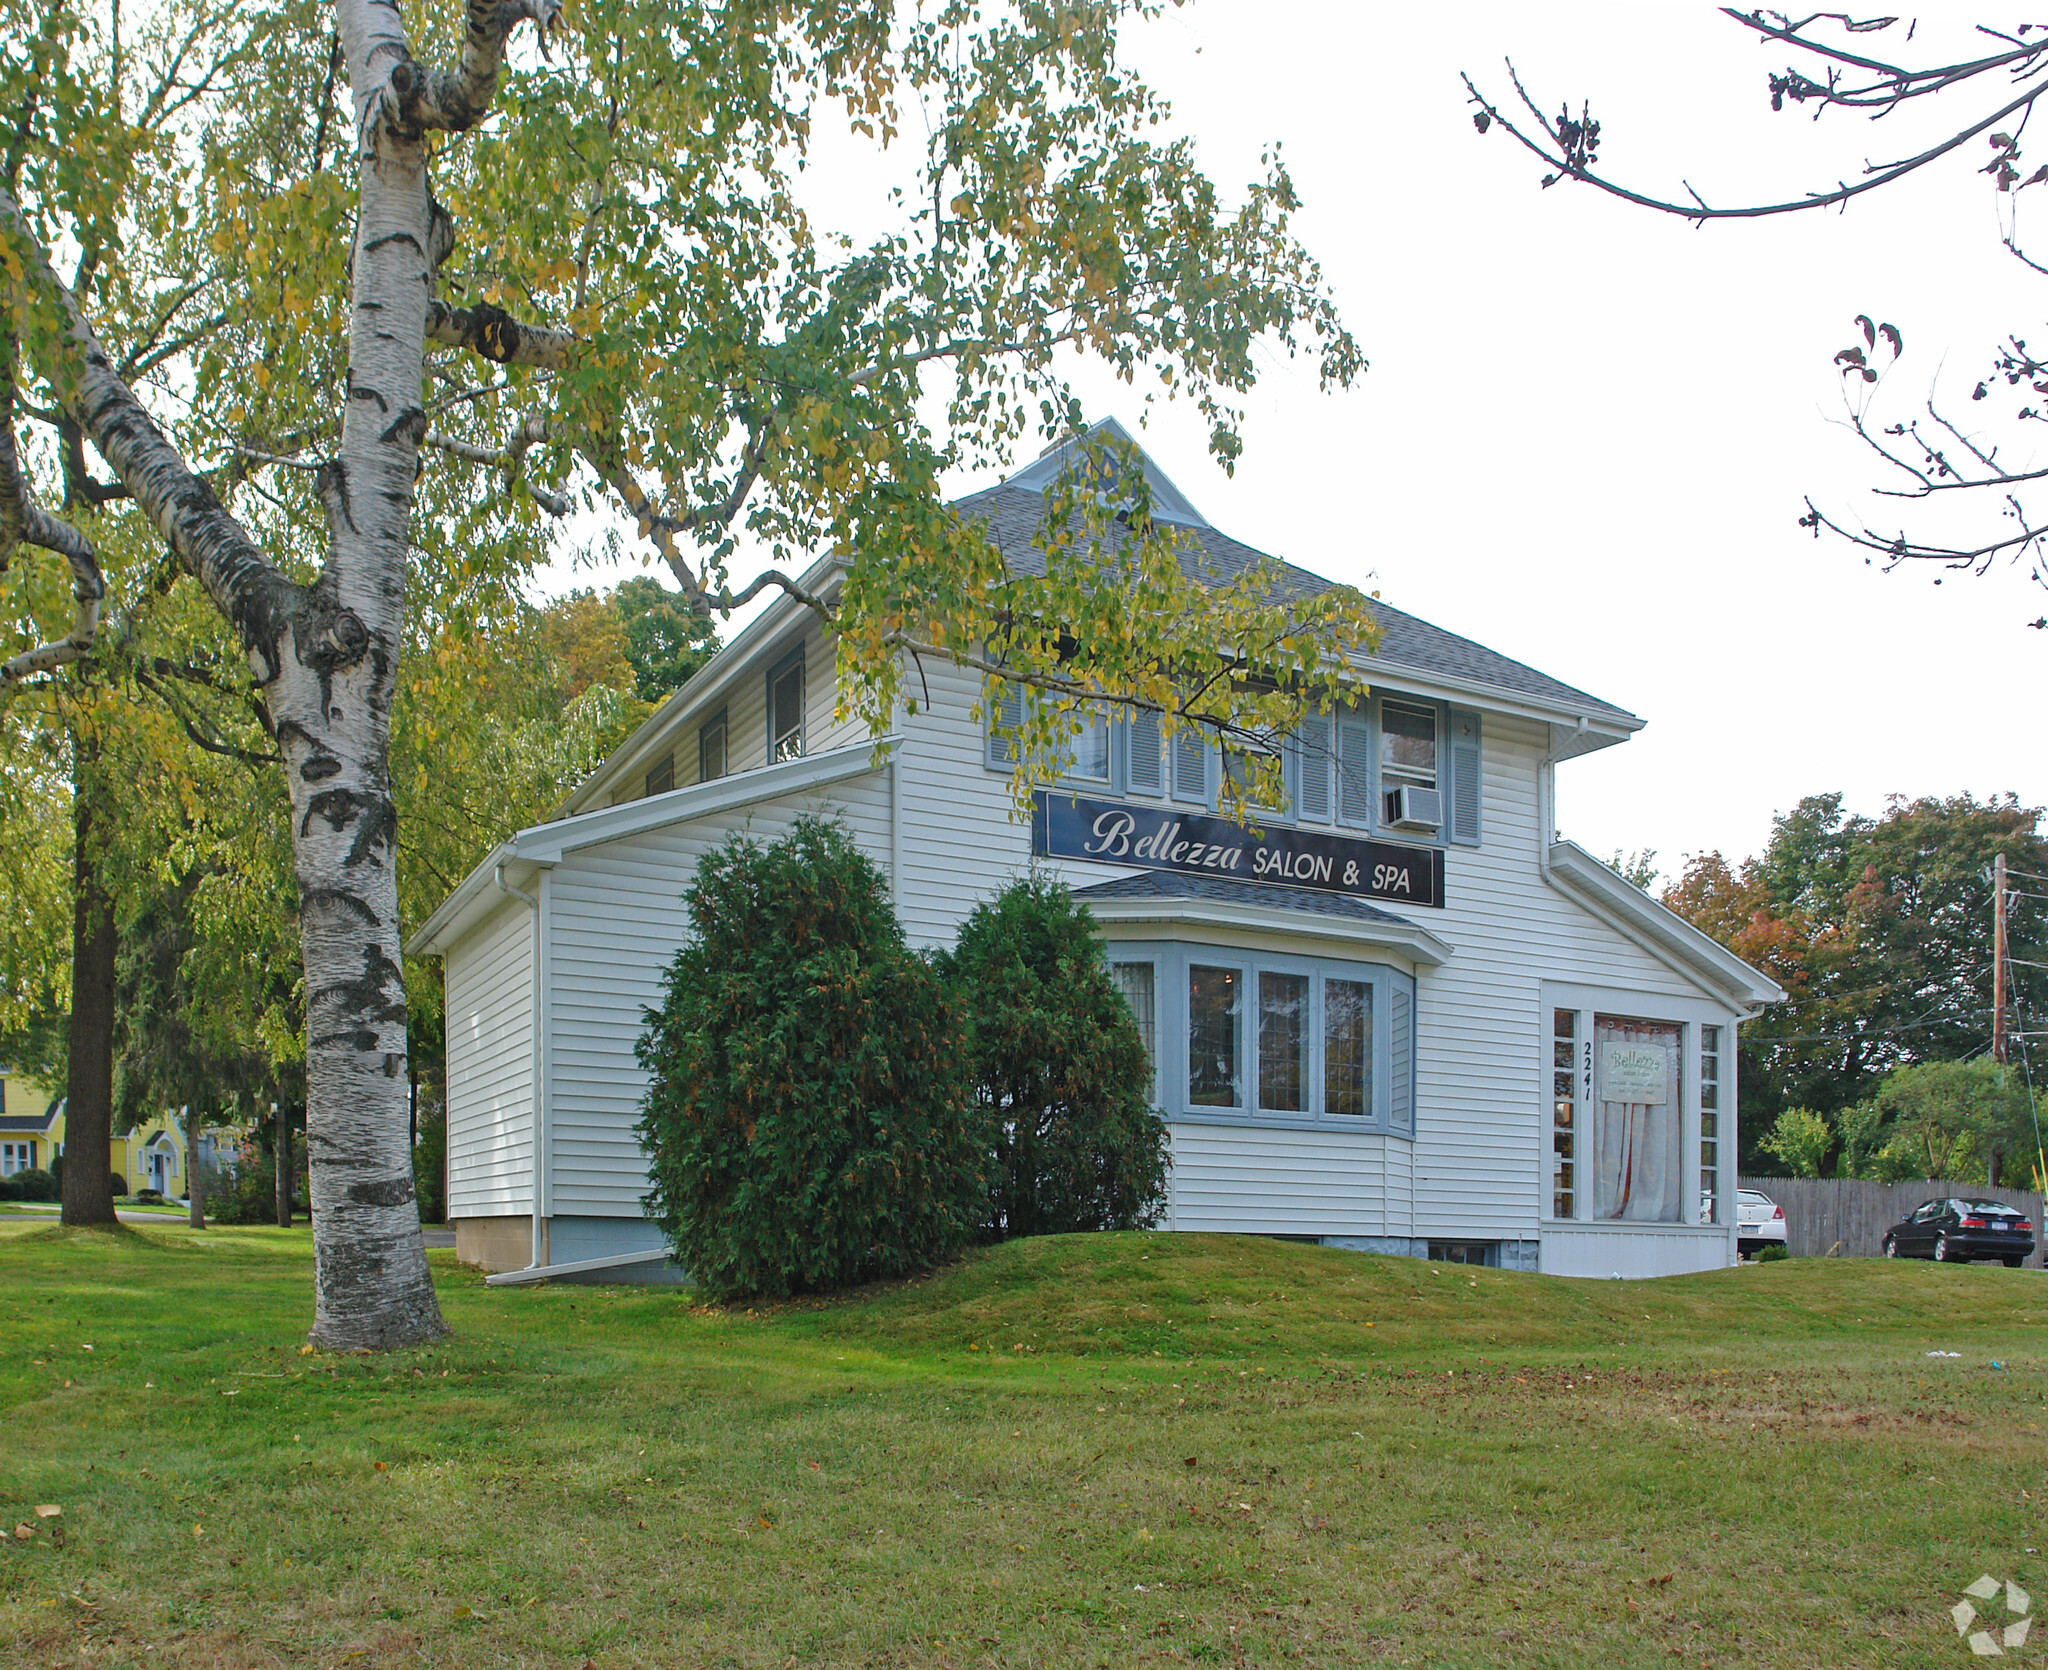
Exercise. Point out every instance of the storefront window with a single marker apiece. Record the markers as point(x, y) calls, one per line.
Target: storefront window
point(1212, 1037)
point(1347, 1048)
point(1283, 1042)
point(1638, 1171)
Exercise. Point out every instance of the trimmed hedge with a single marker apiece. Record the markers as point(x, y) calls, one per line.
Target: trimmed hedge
point(1059, 1069)
point(807, 1119)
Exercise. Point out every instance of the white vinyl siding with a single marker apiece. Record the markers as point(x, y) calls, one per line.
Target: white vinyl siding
point(616, 919)
point(489, 1017)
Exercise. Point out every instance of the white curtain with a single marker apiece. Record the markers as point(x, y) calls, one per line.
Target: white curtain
point(1638, 1174)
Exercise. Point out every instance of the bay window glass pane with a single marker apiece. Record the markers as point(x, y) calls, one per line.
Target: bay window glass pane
point(1347, 1048)
point(1283, 1042)
point(1135, 981)
point(1214, 1000)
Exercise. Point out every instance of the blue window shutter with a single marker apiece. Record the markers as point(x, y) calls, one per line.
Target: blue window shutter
point(1008, 710)
point(1402, 1061)
point(1146, 762)
point(1354, 770)
point(1191, 765)
point(1313, 799)
point(1466, 782)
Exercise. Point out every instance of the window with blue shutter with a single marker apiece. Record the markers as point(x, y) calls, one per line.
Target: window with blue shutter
point(1147, 772)
point(1466, 782)
point(1354, 770)
point(1006, 710)
point(1314, 771)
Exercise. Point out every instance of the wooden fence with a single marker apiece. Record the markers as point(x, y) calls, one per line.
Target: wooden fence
point(1841, 1217)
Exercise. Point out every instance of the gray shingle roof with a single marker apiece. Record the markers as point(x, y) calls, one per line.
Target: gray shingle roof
point(26, 1124)
point(1162, 884)
point(1012, 516)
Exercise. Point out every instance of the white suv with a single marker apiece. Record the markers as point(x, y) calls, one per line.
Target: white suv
point(1759, 1222)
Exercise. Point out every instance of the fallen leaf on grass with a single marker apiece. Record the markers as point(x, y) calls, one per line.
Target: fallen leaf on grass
point(1659, 1582)
point(1188, 1460)
point(380, 1467)
point(461, 1612)
point(47, 1510)
point(24, 1532)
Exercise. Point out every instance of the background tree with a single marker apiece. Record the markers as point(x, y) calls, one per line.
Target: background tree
point(1975, 508)
point(682, 323)
point(666, 640)
point(1880, 931)
point(1059, 1071)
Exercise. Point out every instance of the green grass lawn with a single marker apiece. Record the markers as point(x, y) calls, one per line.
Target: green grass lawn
point(1139, 1449)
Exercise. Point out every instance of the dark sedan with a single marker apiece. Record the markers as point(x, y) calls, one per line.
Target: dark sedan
point(1957, 1231)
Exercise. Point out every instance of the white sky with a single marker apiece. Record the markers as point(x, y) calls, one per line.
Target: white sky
point(1587, 430)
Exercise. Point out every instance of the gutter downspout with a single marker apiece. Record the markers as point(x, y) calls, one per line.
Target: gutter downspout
point(538, 1259)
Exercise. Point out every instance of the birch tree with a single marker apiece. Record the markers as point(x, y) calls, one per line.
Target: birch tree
point(592, 278)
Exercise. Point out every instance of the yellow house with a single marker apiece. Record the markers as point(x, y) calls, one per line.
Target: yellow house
point(151, 1156)
point(31, 1124)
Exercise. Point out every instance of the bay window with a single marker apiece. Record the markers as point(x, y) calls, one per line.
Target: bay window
point(1249, 1037)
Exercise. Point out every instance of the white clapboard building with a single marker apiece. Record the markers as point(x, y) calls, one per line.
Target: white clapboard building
point(1404, 1017)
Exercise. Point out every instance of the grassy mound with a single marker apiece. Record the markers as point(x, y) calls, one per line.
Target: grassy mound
point(1239, 1296)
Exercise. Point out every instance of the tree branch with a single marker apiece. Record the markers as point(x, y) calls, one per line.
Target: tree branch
point(497, 336)
point(414, 99)
point(1556, 153)
point(261, 603)
point(24, 522)
point(510, 459)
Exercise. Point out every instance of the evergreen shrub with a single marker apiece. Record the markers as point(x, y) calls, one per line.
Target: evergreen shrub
point(1060, 1072)
point(31, 1183)
point(807, 1120)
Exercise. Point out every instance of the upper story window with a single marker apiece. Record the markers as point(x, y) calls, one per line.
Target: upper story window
point(661, 776)
point(1408, 779)
point(786, 710)
point(1089, 754)
point(711, 748)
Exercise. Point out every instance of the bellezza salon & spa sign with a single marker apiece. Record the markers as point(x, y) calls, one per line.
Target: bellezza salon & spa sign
point(1190, 843)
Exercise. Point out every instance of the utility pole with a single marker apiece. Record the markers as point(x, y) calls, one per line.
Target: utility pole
point(1998, 959)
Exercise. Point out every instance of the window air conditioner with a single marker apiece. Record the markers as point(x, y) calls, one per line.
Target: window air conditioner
point(1414, 808)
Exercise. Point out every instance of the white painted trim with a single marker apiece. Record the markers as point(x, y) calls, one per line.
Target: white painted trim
point(548, 843)
point(1662, 932)
point(1412, 941)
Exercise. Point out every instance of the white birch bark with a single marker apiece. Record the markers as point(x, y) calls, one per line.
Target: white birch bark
point(327, 654)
